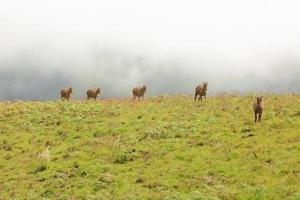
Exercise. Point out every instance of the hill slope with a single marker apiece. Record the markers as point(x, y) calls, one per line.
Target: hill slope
point(162, 148)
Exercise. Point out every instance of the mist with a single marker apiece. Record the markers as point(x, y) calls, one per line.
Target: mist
point(171, 47)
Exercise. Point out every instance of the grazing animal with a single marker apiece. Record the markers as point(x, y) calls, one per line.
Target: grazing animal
point(139, 92)
point(66, 93)
point(258, 108)
point(201, 91)
point(93, 93)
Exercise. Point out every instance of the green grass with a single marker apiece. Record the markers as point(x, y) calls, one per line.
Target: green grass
point(162, 148)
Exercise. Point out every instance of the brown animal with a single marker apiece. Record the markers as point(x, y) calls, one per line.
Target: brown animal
point(258, 108)
point(139, 92)
point(66, 93)
point(201, 91)
point(93, 93)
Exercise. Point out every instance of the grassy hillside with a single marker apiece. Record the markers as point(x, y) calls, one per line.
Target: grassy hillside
point(162, 148)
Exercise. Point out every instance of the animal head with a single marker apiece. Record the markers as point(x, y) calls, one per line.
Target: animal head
point(98, 91)
point(71, 90)
point(144, 88)
point(259, 99)
point(205, 85)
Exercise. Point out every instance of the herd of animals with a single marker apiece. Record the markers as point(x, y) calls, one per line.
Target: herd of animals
point(139, 92)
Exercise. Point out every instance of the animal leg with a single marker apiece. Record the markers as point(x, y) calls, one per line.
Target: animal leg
point(259, 117)
point(255, 116)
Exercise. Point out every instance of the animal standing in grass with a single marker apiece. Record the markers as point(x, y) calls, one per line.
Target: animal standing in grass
point(139, 92)
point(66, 93)
point(258, 108)
point(93, 93)
point(201, 91)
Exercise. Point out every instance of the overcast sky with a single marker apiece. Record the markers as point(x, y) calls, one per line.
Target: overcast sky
point(169, 45)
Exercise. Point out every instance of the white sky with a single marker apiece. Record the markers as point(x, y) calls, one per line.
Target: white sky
point(190, 27)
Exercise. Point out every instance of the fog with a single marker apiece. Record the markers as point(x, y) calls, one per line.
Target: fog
point(171, 46)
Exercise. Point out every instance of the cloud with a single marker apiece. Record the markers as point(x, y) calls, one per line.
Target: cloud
point(32, 76)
